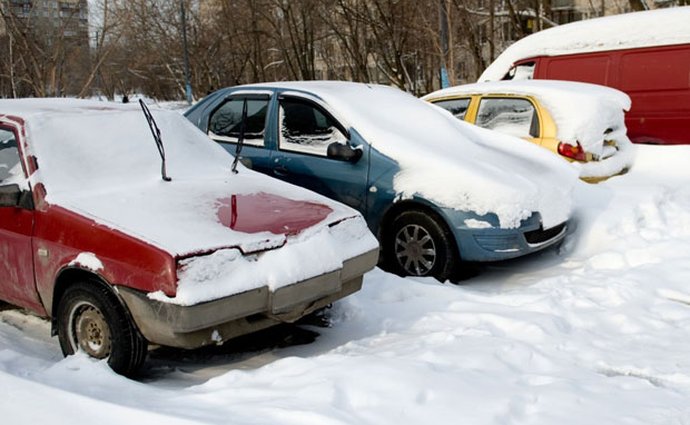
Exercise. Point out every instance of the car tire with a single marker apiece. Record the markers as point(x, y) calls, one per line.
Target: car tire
point(90, 318)
point(418, 245)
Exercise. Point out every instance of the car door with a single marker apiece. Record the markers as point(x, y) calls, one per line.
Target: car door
point(305, 130)
point(225, 125)
point(16, 224)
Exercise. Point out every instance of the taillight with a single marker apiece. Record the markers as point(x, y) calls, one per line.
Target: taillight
point(573, 152)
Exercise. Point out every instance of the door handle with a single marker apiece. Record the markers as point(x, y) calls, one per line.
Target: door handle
point(280, 170)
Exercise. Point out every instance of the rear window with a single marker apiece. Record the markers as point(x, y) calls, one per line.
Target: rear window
point(457, 107)
point(513, 116)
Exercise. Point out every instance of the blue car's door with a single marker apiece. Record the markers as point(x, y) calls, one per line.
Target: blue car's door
point(305, 130)
point(225, 122)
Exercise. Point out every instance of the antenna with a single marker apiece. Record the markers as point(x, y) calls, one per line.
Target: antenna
point(155, 131)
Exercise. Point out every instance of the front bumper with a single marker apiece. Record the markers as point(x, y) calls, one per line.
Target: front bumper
point(219, 320)
point(496, 244)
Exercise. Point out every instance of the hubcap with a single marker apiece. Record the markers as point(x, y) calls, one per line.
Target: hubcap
point(415, 250)
point(90, 331)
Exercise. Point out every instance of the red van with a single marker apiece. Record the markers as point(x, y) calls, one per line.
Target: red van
point(644, 54)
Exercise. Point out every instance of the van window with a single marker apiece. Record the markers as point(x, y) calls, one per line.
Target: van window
point(513, 116)
point(521, 71)
point(584, 68)
point(457, 107)
point(655, 70)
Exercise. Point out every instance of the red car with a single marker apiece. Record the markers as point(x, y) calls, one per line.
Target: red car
point(644, 54)
point(123, 242)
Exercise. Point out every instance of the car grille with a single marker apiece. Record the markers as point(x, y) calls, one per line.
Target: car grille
point(541, 235)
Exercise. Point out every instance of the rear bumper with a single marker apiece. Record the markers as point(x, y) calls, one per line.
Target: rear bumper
point(217, 321)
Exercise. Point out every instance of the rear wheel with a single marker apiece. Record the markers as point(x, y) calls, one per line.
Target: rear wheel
point(417, 245)
point(91, 319)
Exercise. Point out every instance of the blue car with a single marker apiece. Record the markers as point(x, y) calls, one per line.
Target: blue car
point(434, 190)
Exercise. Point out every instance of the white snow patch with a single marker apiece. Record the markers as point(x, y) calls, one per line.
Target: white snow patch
point(473, 223)
point(87, 260)
point(311, 253)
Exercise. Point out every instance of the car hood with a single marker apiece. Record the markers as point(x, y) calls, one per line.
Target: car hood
point(188, 217)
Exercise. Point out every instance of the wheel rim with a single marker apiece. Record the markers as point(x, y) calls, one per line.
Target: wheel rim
point(415, 250)
point(89, 331)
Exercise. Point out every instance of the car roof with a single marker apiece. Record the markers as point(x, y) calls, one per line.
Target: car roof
point(27, 108)
point(537, 88)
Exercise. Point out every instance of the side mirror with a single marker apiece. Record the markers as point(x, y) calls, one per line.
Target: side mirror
point(10, 195)
point(343, 152)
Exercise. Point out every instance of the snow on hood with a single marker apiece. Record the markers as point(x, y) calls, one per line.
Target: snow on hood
point(100, 161)
point(630, 30)
point(454, 164)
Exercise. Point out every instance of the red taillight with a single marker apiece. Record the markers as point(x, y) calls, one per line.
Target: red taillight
point(573, 152)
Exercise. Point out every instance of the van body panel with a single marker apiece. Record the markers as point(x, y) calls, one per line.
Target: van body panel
point(657, 79)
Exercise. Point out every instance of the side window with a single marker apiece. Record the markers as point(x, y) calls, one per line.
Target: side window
point(457, 107)
point(225, 123)
point(513, 116)
point(10, 167)
point(306, 128)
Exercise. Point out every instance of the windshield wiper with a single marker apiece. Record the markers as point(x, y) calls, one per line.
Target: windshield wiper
point(155, 131)
point(240, 139)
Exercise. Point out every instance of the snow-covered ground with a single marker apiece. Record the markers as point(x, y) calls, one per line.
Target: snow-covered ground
point(596, 332)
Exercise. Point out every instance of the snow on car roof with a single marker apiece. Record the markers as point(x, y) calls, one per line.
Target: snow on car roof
point(26, 108)
point(453, 164)
point(582, 112)
point(631, 30)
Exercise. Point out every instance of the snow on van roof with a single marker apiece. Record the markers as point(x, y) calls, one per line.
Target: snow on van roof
point(640, 29)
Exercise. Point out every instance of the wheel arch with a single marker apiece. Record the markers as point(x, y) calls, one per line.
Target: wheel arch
point(70, 275)
point(419, 205)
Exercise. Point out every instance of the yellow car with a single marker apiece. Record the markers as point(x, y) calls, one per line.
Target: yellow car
point(583, 123)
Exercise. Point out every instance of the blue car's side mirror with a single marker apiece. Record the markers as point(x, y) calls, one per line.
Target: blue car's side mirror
point(343, 152)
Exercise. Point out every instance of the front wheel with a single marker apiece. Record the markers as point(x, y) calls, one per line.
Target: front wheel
point(91, 319)
point(417, 245)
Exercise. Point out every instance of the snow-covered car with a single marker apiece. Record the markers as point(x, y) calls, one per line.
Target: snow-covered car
point(433, 189)
point(583, 123)
point(120, 248)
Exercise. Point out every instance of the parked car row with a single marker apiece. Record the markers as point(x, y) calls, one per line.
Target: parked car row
point(434, 190)
point(127, 227)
